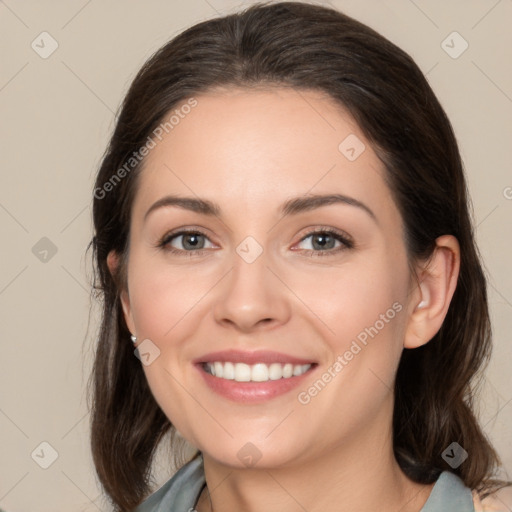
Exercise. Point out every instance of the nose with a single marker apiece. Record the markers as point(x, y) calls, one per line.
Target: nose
point(251, 297)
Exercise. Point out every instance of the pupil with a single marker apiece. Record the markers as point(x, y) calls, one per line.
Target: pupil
point(194, 242)
point(323, 241)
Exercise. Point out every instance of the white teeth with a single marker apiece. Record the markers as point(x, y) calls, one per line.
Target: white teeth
point(219, 369)
point(300, 369)
point(229, 371)
point(242, 372)
point(287, 370)
point(275, 371)
point(259, 372)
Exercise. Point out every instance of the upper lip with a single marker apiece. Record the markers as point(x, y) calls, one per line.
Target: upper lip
point(251, 357)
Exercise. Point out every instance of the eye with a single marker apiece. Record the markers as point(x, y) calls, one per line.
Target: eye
point(321, 242)
point(324, 242)
point(185, 242)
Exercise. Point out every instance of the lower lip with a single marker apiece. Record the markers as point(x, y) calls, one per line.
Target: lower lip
point(252, 392)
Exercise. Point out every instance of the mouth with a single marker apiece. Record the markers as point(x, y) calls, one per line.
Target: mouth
point(259, 372)
point(253, 377)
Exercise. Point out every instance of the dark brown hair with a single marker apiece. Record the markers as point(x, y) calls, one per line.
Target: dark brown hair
point(302, 46)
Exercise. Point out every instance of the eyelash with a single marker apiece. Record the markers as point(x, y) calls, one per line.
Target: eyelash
point(338, 235)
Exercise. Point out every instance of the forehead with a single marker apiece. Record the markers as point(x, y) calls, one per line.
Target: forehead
point(246, 147)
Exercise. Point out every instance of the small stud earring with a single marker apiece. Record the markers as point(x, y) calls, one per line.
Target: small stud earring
point(134, 338)
point(422, 304)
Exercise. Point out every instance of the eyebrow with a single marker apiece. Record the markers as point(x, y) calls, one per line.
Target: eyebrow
point(292, 206)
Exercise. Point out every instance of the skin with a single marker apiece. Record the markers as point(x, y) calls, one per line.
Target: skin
point(249, 151)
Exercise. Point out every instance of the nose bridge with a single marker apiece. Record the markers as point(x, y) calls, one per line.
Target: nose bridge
point(250, 266)
point(251, 294)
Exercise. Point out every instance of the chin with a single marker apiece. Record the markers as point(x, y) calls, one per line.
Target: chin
point(252, 453)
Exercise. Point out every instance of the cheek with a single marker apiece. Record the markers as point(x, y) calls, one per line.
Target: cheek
point(163, 297)
point(365, 314)
point(166, 304)
point(363, 308)
point(356, 300)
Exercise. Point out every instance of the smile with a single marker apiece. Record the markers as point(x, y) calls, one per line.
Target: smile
point(259, 372)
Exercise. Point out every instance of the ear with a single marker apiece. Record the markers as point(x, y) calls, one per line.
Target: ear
point(431, 300)
point(112, 263)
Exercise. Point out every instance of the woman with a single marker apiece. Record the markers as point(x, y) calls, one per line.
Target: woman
point(282, 229)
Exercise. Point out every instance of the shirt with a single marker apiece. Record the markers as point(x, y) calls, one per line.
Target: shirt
point(181, 492)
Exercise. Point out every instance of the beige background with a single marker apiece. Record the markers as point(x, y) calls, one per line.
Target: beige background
point(57, 114)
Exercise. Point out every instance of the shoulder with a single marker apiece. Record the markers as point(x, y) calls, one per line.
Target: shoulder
point(178, 493)
point(450, 493)
point(500, 501)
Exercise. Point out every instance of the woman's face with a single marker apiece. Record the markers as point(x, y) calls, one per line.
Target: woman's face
point(262, 285)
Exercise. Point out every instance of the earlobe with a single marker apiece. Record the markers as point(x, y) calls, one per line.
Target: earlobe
point(437, 283)
point(112, 262)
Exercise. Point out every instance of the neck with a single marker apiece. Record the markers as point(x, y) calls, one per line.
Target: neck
point(360, 475)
